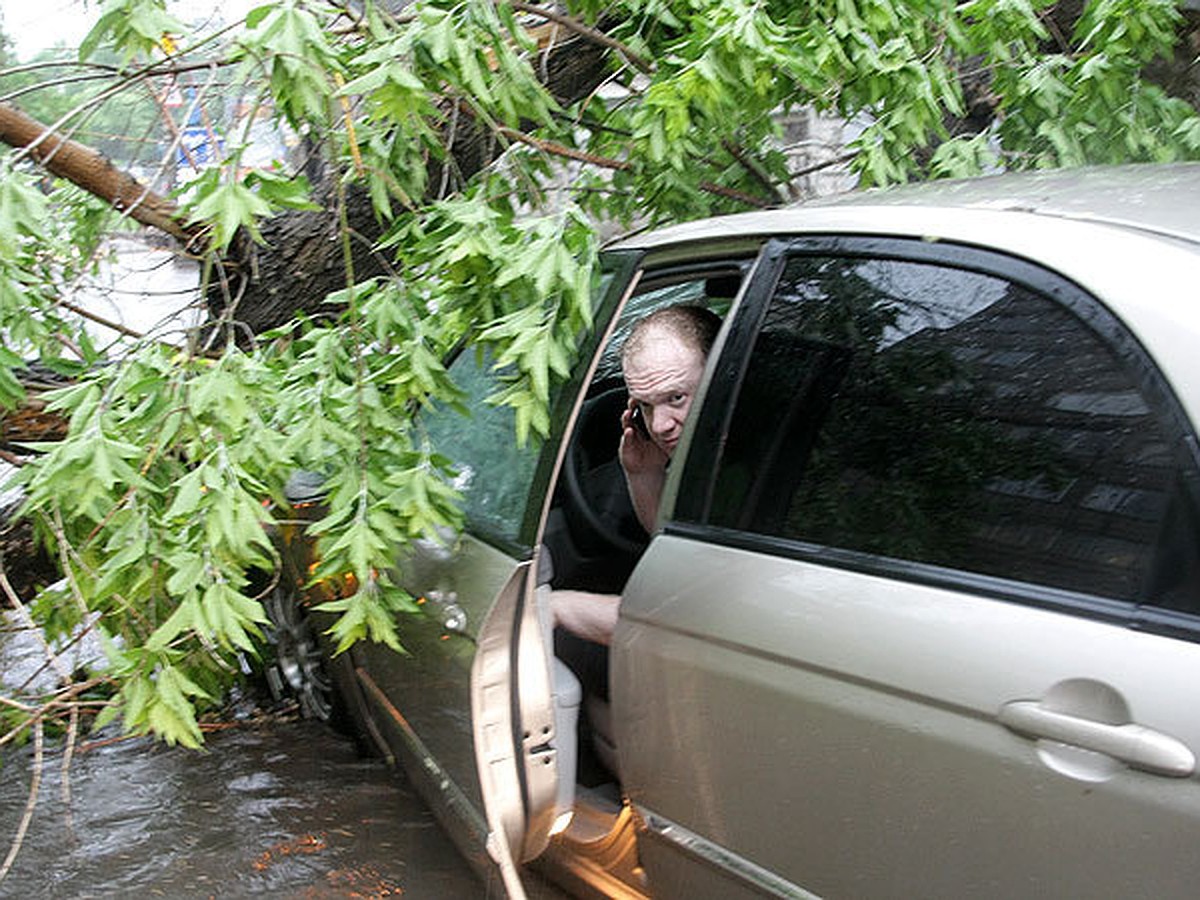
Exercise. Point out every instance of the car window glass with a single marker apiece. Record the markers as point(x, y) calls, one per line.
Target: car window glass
point(944, 416)
point(494, 473)
point(713, 290)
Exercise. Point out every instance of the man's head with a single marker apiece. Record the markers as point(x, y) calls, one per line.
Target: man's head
point(663, 360)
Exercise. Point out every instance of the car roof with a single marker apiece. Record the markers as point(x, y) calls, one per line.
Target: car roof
point(1162, 199)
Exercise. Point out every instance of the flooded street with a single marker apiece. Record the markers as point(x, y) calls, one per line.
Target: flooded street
point(272, 806)
point(284, 809)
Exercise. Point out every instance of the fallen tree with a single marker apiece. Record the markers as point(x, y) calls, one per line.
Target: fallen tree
point(431, 205)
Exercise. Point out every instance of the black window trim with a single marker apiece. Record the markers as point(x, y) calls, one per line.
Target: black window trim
point(683, 272)
point(691, 514)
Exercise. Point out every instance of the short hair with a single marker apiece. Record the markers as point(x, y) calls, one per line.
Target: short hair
point(695, 326)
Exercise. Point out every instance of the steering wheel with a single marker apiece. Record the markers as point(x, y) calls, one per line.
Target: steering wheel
point(591, 453)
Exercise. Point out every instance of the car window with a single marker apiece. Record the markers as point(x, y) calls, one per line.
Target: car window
point(494, 473)
point(714, 289)
point(944, 416)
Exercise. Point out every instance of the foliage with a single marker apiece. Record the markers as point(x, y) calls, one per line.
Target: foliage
point(165, 493)
point(125, 126)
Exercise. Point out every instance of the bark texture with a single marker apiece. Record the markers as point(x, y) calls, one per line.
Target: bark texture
point(91, 171)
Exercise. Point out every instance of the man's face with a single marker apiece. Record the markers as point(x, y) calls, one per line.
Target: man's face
point(662, 376)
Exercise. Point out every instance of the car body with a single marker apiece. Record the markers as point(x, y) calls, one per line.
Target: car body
point(920, 614)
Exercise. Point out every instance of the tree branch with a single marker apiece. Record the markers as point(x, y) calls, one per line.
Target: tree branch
point(35, 783)
point(734, 194)
point(584, 31)
point(826, 164)
point(91, 171)
point(101, 320)
point(555, 149)
point(752, 166)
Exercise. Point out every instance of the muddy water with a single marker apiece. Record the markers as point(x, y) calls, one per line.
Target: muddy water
point(283, 810)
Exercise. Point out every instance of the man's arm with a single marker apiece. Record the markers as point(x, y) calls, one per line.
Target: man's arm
point(645, 467)
point(589, 616)
point(645, 492)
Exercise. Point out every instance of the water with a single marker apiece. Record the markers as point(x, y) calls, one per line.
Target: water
point(281, 809)
point(271, 807)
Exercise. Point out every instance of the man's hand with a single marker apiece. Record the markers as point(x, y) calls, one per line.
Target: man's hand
point(645, 465)
point(638, 453)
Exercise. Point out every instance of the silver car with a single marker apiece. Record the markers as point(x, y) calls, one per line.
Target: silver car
point(920, 613)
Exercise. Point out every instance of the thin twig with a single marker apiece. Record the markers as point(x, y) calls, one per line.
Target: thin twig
point(227, 311)
point(450, 138)
point(16, 704)
point(68, 755)
point(556, 149)
point(58, 64)
point(64, 559)
point(57, 129)
point(100, 320)
point(827, 164)
point(35, 783)
point(64, 699)
point(27, 620)
point(17, 93)
point(710, 187)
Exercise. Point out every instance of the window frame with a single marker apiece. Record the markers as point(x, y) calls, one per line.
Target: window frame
point(691, 514)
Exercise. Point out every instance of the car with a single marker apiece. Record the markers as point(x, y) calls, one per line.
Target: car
point(920, 612)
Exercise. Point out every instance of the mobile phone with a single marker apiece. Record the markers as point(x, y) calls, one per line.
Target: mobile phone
point(638, 420)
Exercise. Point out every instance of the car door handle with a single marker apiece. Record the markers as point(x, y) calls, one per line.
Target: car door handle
point(1137, 746)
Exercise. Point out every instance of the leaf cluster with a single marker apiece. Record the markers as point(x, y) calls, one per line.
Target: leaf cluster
point(486, 180)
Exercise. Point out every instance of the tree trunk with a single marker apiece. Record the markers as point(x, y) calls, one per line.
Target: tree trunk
point(302, 259)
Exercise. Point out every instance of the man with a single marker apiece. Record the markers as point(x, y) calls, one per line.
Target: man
point(662, 360)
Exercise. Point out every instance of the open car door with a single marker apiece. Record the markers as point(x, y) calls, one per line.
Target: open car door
point(524, 701)
point(523, 713)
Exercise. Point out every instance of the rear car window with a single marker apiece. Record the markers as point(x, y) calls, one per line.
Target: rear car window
point(944, 416)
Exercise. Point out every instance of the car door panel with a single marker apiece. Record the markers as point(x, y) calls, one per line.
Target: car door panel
point(429, 685)
point(868, 727)
point(472, 704)
point(906, 632)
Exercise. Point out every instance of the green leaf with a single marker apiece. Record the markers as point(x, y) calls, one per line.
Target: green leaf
point(281, 192)
point(184, 618)
point(255, 17)
point(132, 27)
point(23, 211)
point(188, 492)
point(228, 207)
